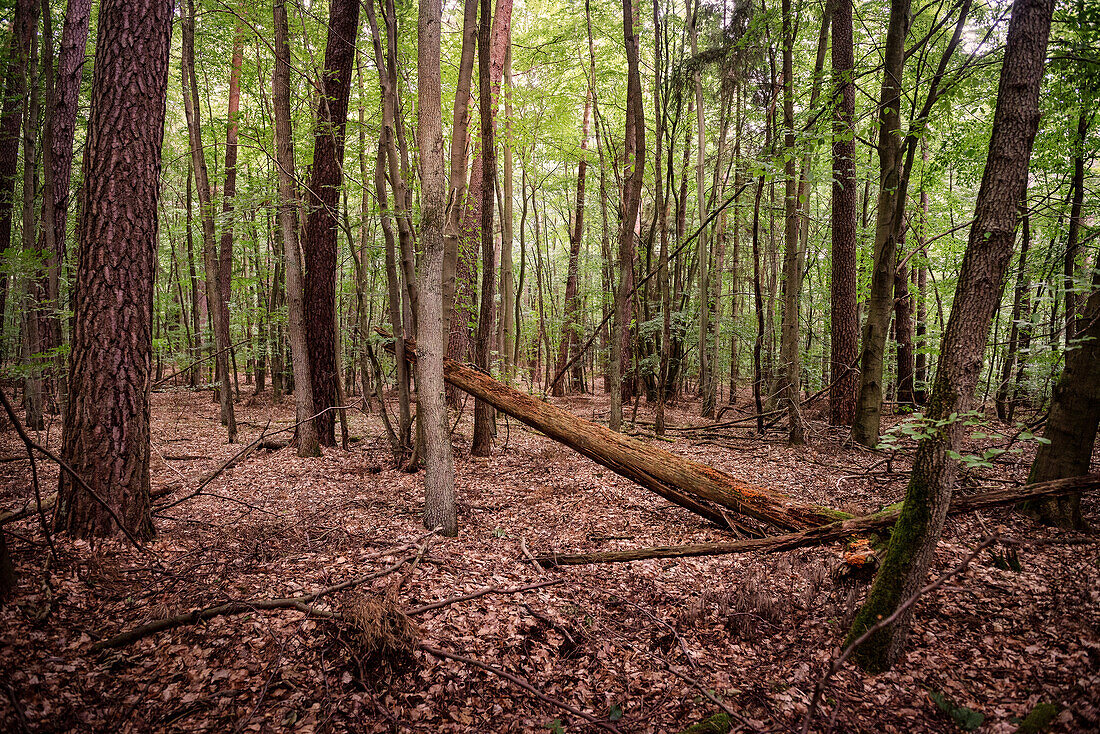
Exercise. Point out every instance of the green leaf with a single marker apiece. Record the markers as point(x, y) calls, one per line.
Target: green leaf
point(555, 727)
point(616, 712)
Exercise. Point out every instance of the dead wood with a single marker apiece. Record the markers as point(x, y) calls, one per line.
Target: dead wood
point(301, 603)
point(685, 482)
point(831, 532)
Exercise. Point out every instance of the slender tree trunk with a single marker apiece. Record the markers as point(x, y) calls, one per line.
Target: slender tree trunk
point(457, 186)
point(659, 114)
point(792, 270)
point(844, 321)
point(1077, 189)
point(903, 332)
point(206, 215)
point(24, 29)
point(1004, 388)
point(106, 434)
point(35, 298)
point(989, 249)
point(319, 231)
point(572, 329)
point(439, 495)
point(702, 251)
point(508, 335)
point(490, 72)
point(229, 192)
point(307, 436)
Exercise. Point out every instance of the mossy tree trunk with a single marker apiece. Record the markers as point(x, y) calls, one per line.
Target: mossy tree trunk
point(988, 252)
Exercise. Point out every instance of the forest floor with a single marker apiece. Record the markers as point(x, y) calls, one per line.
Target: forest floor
point(754, 631)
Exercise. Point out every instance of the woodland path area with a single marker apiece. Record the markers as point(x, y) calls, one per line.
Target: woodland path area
point(757, 631)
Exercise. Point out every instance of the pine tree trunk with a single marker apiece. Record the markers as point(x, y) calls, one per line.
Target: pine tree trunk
point(106, 433)
point(319, 231)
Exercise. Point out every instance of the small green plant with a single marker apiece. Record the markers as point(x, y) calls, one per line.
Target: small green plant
point(555, 727)
point(499, 532)
point(965, 718)
point(615, 713)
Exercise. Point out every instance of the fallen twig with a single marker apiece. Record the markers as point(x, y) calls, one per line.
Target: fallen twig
point(301, 603)
point(831, 532)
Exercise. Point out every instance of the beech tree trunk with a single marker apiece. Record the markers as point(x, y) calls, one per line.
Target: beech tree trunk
point(439, 490)
point(106, 434)
point(229, 192)
point(319, 237)
point(989, 249)
point(307, 436)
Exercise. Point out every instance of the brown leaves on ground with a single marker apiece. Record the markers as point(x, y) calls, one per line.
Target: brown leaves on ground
point(756, 631)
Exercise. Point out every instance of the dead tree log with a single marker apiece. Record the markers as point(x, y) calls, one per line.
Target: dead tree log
point(673, 477)
point(828, 533)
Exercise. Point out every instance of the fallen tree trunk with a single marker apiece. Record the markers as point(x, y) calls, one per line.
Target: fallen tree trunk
point(828, 533)
point(673, 477)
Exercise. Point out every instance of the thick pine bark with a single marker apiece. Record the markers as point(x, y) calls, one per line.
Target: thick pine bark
point(106, 433)
point(844, 324)
point(989, 249)
point(439, 491)
point(307, 436)
point(319, 237)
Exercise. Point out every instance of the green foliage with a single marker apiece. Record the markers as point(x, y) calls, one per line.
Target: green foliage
point(965, 718)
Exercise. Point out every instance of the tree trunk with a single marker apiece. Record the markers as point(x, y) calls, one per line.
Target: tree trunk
point(206, 215)
point(229, 192)
point(490, 72)
point(1004, 388)
point(106, 434)
point(35, 298)
point(1077, 197)
point(928, 495)
point(634, 174)
point(508, 330)
point(903, 333)
point(1071, 422)
point(868, 412)
point(844, 322)
point(24, 28)
point(439, 494)
point(307, 435)
point(319, 238)
point(667, 474)
point(792, 269)
point(571, 327)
